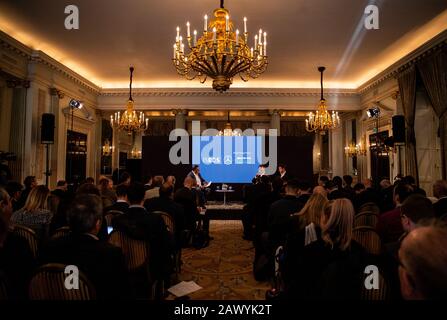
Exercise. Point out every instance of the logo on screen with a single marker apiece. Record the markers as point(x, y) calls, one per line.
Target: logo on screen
point(228, 160)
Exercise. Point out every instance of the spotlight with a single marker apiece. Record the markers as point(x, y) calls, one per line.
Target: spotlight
point(75, 104)
point(373, 112)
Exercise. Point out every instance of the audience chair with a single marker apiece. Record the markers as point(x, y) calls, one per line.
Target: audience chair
point(29, 235)
point(170, 224)
point(136, 254)
point(368, 238)
point(61, 232)
point(380, 294)
point(110, 214)
point(370, 207)
point(48, 283)
point(366, 219)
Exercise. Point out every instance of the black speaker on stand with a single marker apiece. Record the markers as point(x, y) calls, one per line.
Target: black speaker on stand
point(399, 136)
point(47, 138)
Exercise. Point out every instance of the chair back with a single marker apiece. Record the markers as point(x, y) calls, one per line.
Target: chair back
point(169, 221)
point(136, 252)
point(380, 294)
point(29, 235)
point(366, 219)
point(110, 214)
point(369, 206)
point(48, 283)
point(368, 238)
point(4, 294)
point(61, 232)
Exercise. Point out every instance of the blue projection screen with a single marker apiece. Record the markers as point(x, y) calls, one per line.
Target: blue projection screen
point(228, 159)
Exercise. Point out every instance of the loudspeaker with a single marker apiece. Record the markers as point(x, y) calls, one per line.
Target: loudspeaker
point(47, 129)
point(398, 129)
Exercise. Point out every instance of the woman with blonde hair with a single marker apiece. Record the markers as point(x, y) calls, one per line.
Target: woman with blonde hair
point(35, 213)
point(329, 268)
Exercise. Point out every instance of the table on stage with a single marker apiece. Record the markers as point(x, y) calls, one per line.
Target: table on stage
point(225, 195)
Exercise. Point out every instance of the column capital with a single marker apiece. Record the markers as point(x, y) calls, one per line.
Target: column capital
point(56, 92)
point(18, 83)
point(395, 95)
point(180, 112)
point(275, 112)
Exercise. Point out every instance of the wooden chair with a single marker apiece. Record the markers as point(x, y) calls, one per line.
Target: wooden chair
point(48, 283)
point(170, 224)
point(366, 219)
point(29, 235)
point(136, 254)
point(110, 214)
point(381, 294)
point(61, 232)
point(369, 206)
point(368, 238)
point(4, 292)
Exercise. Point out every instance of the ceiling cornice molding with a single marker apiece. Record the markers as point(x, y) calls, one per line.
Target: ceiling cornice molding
point(392, 71)
point(236, 92)
point(12, 45)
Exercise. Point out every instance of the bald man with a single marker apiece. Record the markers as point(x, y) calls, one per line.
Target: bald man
point(423, 263)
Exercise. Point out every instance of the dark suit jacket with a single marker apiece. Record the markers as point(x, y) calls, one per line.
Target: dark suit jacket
point(173, 209)
point(188, 200)
point(440, 207)
point(191, 175)
point(140, 224)
point(101, 262)
point(119, 206)
point(279, 217)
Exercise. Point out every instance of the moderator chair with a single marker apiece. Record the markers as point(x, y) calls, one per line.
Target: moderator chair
point(29, 235)
point(48, 283)
point(370, 207)
point(368, 238)
point(110, 214)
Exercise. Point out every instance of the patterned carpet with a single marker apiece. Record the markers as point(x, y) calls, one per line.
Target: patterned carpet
point(224, 268)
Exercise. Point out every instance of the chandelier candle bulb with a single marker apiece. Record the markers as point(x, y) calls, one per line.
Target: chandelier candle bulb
point(265, 48)
point(214, 35)
point(245, 25)
point(237, 37)
point(260, 36)
point(188, 31)
point(174, 51)
point(195, 38)
point(227, 23)
point(256, 41)
point(205, 26)
point(178, 32)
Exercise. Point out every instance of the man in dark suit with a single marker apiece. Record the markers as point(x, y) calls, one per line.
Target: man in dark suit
point(102, 263)
point(140, 224)
point(440, 192)
point(335, 192)
point(282, 173)
point(280, 211)
point(200, 183)
point(304, 191)
point(165, 203)
point(186, 197)
point(122, 203)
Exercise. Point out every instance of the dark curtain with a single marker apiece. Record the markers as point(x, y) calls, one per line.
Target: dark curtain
point(407, 89)
point(433, 71)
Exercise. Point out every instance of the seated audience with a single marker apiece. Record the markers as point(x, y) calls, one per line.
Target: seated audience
point(440, 192)
point(101, 262)
point(108, 196)
point(59, 194)
point(280, 212)
point(153, 192)
point(90, 180)
point(30, 183)
point(322, 181)
point(122, 202)
point(186, 197)
point(334, 189)
point(389, 226)
point(368, 195)
point(16, 260)
point(171, 180)
point(304, 191)
point(147, 182)
point(423, 263)
point(140, 224)
point(332, 266)
point(347, 186)
point(35, 213)
point(386, 194)
point(125, 178)
point(165, 203)
point(14, 190)
point(320, 190)
point(412, 182)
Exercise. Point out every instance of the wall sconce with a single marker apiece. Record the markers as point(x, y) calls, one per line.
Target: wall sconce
point(351, 150)
point(135, 153)
point(107, 149)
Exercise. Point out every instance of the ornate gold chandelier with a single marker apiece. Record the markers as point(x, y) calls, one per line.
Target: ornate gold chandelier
point(221, 53)
point(228, 129)
point(352, 150)
point(322, 120)
point(130, 121)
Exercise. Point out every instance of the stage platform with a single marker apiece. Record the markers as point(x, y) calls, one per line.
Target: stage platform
point(216, 210)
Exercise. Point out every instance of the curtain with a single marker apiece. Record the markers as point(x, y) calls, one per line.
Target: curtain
point(407, 89)
point(433, 71)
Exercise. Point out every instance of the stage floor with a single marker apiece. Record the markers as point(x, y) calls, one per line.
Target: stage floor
point(216, 210)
